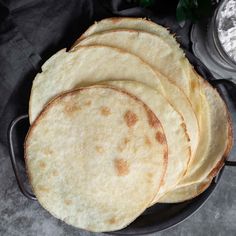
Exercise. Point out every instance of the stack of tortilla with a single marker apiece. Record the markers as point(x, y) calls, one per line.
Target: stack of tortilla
point(120, 122)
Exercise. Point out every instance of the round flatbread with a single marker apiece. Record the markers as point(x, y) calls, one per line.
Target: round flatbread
point(172, 123)
point(88, 160)
point(85, 66)
point(92, 64)
point(164, 44)
point(215, 136)
point(155, 52)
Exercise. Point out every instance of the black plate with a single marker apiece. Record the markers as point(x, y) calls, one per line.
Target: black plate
point(164, 216)
point(159, 216)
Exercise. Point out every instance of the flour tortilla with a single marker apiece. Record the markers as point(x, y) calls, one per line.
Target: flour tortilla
point(87, 158)
point(92, 64)
point(214, 122)
point(172, 123)
point(186, 193)
point(161, 58)
point(219, 138)
point(166, 42)
point(67, 70)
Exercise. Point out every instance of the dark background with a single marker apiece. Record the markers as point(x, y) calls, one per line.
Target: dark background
point(31, 31)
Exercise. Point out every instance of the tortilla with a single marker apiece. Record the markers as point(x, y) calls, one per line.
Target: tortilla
point(92, 64)
point(216, 132)
point(215, 139)
point(187, 83)
point(162, 58)
point(88, 161)
point(173, 126)
point(185, 193)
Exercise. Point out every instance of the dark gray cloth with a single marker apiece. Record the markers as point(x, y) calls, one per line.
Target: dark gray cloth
point(33, 30)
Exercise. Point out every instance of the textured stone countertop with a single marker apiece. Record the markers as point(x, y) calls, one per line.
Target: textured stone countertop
point(22, 217)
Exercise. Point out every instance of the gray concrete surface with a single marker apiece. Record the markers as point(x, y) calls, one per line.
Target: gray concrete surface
point(22, 217)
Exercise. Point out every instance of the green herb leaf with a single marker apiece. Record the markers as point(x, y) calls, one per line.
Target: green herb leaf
point(146, 3)
point(193, 9)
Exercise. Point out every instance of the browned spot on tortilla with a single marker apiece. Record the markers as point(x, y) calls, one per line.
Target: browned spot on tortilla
point(126, 140)
point(55, 173)
point(130, 118)
point(123, 145)
point(99, 149)
point(115, 20)
point(42, 164)
point(194, 84)
point(121, 166)
point(160, 137)
point(165, 164)
point(71, 109)
point(67, 202)
point(166, 154)
point(87, 103)
point(162, 182)
point(217, 168)
point(152, 120)
point(105, 111)
point(47, 151)
point(112, 221)
point(147, 141)
point(149, 177)
point(43, 188)
point(185, 130)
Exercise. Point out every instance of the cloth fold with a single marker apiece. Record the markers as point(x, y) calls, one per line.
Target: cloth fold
point(33, 30)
